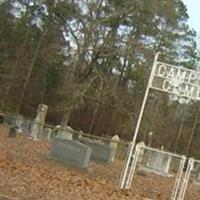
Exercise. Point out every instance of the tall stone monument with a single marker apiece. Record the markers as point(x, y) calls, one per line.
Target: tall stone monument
point(39, 121)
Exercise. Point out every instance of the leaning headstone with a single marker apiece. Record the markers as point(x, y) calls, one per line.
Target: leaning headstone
point(114, 144)
point(159, 163)
point(71, 152)
point(39, 121)
point(46, 133)
point(65, 132)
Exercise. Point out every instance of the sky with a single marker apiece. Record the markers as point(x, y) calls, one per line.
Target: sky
point(193, 7)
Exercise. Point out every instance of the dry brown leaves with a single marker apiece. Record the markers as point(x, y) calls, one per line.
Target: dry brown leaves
point(26, 173)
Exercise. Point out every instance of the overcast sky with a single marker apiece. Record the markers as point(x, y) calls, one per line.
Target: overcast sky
point(193, 7)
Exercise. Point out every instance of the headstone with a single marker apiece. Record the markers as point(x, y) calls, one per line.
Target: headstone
point(65, 132)
point(39, 121)
point(26, 126)
point(19, 122)
point(100, 152)
point(55, 131)
point(46, 133)
point(71, 152)
point(158, 162)
point(114, 144)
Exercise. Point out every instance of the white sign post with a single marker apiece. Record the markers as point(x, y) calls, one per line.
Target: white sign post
point(166, 78)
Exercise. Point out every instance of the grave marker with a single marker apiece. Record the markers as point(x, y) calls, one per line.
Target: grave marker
point(46, 134)
point(71, 152)
point(39, 121)
point(65, 132)
point(100, 152)
point(159, 163)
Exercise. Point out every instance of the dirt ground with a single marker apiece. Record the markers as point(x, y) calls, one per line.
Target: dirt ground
point(26, 173)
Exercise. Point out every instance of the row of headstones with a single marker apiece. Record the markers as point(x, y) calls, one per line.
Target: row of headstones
point(81, 151)
point(34, 128)
point(160, 163)
point(156, 162)
point(65, 144)
point(73, 148)
point(25, 126)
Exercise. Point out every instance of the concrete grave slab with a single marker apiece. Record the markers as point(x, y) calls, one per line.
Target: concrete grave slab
point(158, 163)
point(71, 152)
point(100, 152)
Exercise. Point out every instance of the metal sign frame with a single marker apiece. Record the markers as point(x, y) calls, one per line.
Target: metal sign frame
point(184, 82)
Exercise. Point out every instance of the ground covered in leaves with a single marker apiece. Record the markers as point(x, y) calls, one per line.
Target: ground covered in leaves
point(26, 173)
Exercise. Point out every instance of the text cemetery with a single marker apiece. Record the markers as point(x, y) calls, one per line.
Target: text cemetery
point(177, 80)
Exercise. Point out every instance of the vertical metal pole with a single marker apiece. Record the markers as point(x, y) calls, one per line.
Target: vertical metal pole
point(133, 166)
point(139, 121)
point(145, 98)
point(186, 180)
point(178, 179)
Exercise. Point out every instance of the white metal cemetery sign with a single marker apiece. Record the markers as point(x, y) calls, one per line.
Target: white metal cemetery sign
point(166, 78)
point(176, 80)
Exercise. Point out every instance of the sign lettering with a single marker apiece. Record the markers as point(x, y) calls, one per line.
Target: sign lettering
point(176, 80)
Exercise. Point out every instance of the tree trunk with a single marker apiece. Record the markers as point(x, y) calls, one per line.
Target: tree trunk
point(65, 120)
point(179, 133)
point(98, 121)
point(112, 124)
point(14, 70)
point(192, 133)
point(94, 117)
point(21, 99)
point(155, 113)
